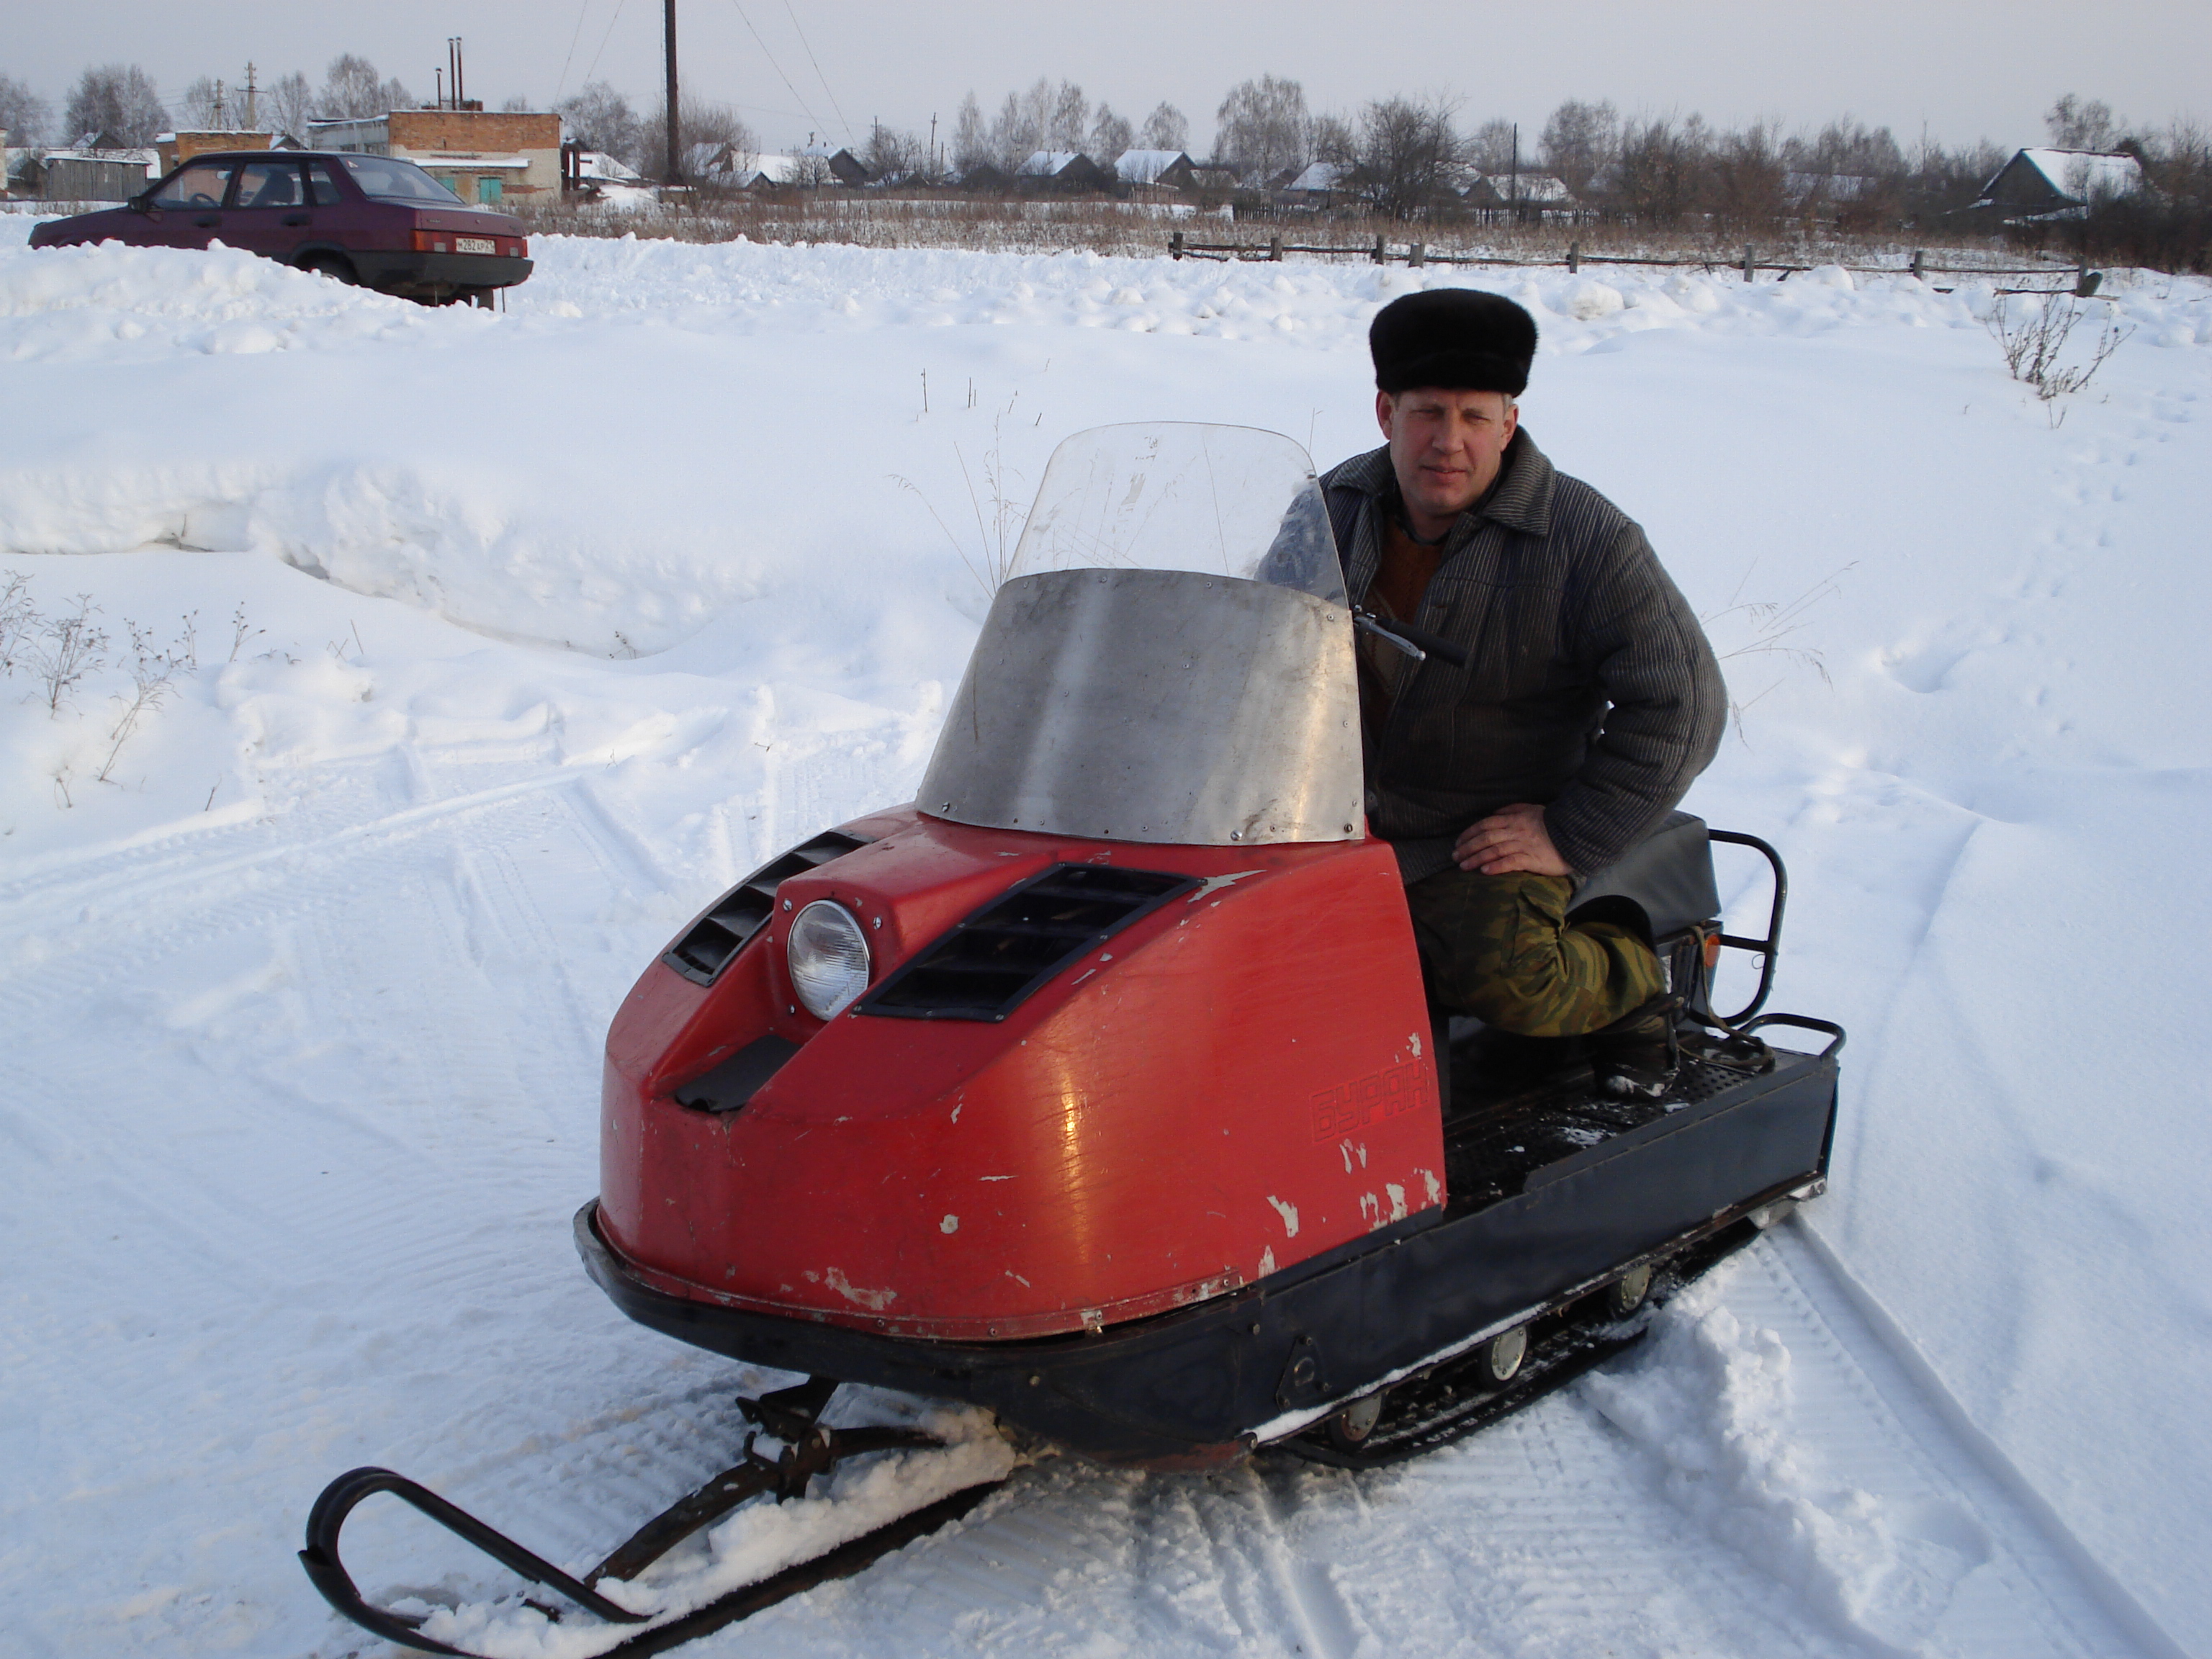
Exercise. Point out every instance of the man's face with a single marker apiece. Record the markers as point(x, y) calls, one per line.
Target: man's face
point(1446, 447)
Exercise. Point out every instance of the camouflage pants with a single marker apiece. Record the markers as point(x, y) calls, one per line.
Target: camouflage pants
point(1500, 948)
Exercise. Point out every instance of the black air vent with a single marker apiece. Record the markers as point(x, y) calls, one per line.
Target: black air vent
point(990, 964)
point(709, 943)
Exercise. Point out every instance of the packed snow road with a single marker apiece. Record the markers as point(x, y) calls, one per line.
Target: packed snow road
point(516, 638)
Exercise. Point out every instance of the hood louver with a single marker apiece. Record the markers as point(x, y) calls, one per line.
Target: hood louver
point(708, 945)
point(992, 962)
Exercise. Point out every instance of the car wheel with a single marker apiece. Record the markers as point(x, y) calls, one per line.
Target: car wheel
point(329, 265)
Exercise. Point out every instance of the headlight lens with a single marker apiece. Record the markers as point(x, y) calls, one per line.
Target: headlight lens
point(828, 956)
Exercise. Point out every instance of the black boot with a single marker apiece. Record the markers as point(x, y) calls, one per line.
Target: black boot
point(1637, 1056)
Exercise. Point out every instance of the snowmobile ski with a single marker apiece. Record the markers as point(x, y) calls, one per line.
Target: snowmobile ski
point(788, 1416)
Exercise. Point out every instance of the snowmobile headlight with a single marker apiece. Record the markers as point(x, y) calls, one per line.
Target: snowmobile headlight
point(828, 956)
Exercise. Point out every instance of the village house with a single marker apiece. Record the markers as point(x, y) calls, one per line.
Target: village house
point(2040, 182)
point(1060, 170)
point(481, 155)
point(1153, 169)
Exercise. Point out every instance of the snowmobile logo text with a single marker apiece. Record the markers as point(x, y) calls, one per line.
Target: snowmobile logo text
point(1368, 1100)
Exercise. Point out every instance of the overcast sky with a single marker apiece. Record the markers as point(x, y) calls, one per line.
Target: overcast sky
point(1964, 68)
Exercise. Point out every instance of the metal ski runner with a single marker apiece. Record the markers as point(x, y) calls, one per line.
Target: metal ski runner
point(788, 1415)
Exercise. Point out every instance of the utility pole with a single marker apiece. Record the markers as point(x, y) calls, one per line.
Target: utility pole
point(218, 106)
point(252, 109)
point(668, 12)
point(934, 170)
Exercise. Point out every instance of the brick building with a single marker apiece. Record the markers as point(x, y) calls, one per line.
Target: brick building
point(481, 155)
point(174, 148)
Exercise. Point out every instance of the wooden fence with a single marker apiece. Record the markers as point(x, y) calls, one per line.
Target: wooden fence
point(1381, 252)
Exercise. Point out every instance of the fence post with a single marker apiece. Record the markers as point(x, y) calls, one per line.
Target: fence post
point(1749, 269)
point(1275, 249)
point(1175, 246)
point(1920, 262)
point(1574, 258)
point(1379, 255)
point(1418, 255)
point(2086, 283)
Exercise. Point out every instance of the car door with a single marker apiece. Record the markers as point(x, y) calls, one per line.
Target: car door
point(269, 212)
point(186, 210)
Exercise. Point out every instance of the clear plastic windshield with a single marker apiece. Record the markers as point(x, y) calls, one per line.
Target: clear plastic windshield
point(1224, 501)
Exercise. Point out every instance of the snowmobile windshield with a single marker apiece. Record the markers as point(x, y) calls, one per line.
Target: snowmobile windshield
point(1169, 659)
point(1223, 501)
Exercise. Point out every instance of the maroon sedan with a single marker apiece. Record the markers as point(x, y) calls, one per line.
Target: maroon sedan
point(373, 220)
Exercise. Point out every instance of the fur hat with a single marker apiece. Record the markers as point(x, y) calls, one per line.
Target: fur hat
point(1457, 338)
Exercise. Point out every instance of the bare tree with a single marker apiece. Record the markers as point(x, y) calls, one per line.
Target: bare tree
point(2074, 123)
point(1491, 147)
point(1405, 155)
point(1023, 125)
point(700, 124)
point(600, 118)
point(1657, 178)
point(210, 108)
point(971, 139)
point(351, 91)
point(1748, 180)
point(1262, 127)
point(22, 112)
point(117, 106)
point(1578, 142)
point(1071, 118)
point(1165, 128)
point(1110, 135)
point(892, 155)
point(284, 103)
point(1331, 138)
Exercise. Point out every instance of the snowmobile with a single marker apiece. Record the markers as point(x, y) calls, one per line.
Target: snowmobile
point(1097, 1085)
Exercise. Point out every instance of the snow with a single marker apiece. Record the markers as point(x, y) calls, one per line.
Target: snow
point(554, 622)
point(2087, 174)
point(1144, 167)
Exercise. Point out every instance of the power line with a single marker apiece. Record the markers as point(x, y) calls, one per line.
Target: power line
point(818, 75)
point(561, 85)
point(820, 124)
point(611, 21)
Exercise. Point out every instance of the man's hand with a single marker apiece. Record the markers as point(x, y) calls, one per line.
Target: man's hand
point(1510, 841)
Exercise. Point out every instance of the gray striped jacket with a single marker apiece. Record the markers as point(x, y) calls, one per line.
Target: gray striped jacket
point(1590, 686)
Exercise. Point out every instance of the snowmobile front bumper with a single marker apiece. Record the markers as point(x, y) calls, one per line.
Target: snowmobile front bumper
point(1202, 1384)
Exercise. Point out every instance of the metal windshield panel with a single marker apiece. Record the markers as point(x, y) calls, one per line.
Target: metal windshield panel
point(1150, 705)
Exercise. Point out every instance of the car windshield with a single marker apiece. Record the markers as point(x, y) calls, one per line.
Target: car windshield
point(387, 180)
point(1224, 501)
point(198, 185)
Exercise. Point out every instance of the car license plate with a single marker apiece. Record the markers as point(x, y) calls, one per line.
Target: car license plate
point(475, 245)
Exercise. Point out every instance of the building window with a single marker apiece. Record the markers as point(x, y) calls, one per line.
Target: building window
point(489, 190)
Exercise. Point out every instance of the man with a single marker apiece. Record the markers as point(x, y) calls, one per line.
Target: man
point(1589, 700)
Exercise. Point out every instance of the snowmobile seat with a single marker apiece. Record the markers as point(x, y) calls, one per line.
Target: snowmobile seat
point(1660, 886)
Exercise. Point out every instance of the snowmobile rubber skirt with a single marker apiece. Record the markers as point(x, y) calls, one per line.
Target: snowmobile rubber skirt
point(1202, 1385)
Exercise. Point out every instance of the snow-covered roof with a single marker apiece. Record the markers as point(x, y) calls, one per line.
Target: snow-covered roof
point(597, 164)
point(440, 160)
point(1320, 176)
point(148, 157)
point(2083, 173)
point(1144, 167)
point(1527, 187)
point(1047, 163)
